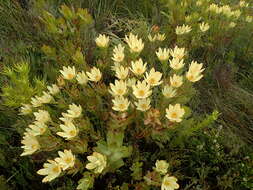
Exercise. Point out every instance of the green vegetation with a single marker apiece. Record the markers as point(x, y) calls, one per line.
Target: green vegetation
point(48, 52)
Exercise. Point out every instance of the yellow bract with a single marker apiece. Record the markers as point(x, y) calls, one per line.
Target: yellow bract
point(74, 111)
point(51, 170)
point(142, 89)
point(169, 91)
point(153, 78)
point(136, 45)
point(25, 109)
point(138, 68)
point(30, 144)
point(121, 72)
point(204, 26)
point(118, 53)
point(68, 73)
point(161, 166)
point(176, 81)
point(143, 104)
point(175, 113)
point(69, 131)
point(82, 78)
point(42, 116)
point(194, 73)
point(169, 183)
point(120, 103)
point(119, 88)
point(184, 29)
point(97, 162)
point(66, 159)
point(94, 75)
point(178, 53)
point(102, 41)
point(176, 63)
point(37, 128)
point(54, 89)
point(163, 54)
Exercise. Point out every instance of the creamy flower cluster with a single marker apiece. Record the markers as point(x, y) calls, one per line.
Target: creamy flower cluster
point(156, 37)
point(97, 162)
point(69, 73)
point(69, 130)
point(42, 117)
point(136, 79)
point(226, 10)
point(141, 89)
point(38, 101)
point(54, 168)
point(168, 182)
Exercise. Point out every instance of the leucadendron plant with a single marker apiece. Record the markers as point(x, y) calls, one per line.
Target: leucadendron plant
point(95, 118)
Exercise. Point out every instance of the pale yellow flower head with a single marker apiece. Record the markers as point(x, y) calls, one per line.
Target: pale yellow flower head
point(120, 103)
point(152, 39)
point(143, 104)
point(36, 101)
point(177, 52)
point(136, 45)
point(169, 183)
point(121, 72)
point(232, 25)
point(214, 8)
point(37, 128)
point(176, 81)
point(237, 13)
point(118, 53)
point(51, 170)
point(204, 26)
point(226, 10)
point(119, 88)
point(169, 91)
point(160, 37)
point(74, 111)
point(163, 54)
point(176, 63)
point(97, 162)
point(115, 66)
point(25, 109)
point(138, 67)
point(102, 41)
point(175, 113)
point(66, 119)
point(45, 98)
point(184, 29)
point(54, 89)
point(161, 166)
point(42, 116)
point(68, 73)
point(249, 19)
point(142, 89)
point(94, 75)
point(194, 73)
point(66, 159)
point(243, 4)
point(69, 131)
point(82, 78)
point(30, 144)
point(153, 78)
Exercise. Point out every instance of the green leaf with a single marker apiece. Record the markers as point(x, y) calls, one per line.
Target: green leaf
point(86, 182)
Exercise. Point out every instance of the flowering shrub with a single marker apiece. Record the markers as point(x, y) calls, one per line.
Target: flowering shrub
point(102, 111)
point(115, 108)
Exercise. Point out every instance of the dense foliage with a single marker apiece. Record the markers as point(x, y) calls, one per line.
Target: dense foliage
point(149, 94)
